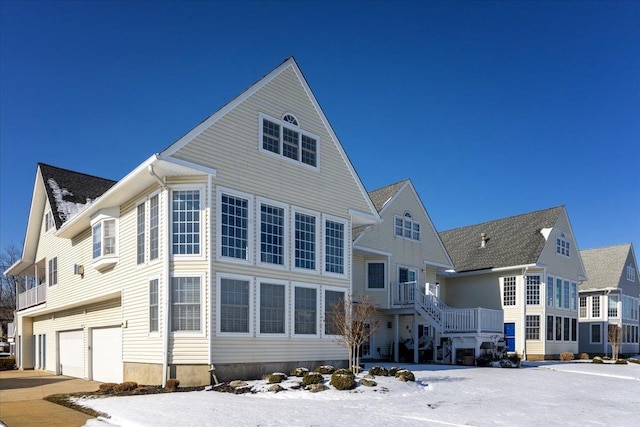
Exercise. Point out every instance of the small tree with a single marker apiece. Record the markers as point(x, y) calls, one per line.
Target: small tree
point(353, 321)
point(9, 255)
point(615, 339)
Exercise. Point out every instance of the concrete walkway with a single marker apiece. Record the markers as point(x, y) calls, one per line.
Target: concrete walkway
point(22, 404)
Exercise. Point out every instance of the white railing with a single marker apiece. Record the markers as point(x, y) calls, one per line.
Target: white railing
point(447, 319)
point(33, 296)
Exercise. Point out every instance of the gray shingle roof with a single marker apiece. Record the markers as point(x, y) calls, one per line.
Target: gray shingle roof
point(604, 266)
point(511, 241)
point(382, 195)
point(69, 192)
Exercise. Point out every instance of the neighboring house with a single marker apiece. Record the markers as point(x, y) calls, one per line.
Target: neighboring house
point(609, 297)
point(527, 265)
point(225, 249)
point(397, 263)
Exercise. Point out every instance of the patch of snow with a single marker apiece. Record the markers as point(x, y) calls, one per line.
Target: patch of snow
point(66, 209)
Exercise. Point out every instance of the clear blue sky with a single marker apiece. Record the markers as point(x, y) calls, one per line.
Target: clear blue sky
point(492, 108)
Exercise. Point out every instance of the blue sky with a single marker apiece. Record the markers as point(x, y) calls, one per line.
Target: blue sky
point(491, 108)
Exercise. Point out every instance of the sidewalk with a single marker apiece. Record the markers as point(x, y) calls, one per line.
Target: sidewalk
point(22, 404)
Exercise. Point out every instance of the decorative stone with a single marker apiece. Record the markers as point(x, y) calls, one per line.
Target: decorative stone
point(299, 372)
point(276, 388)
point(238, 384)
point(315, 388)
point(405, 375)
point(276, 377)
point(369, 376)
point(368, 382)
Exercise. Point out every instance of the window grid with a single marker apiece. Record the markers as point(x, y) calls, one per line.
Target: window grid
point(334, 247)
point(271, 136)
point(309, 150)
point(305, 311)
point(532, 327)
point(153, 306)
point(550, 331)
point(407, 228)
point(631, 273)
point(235, 226)
point(613, 306)
point(186, 222)
point(48, 221)
point(583, 307)
point(509, 291)
point(375, 275)
point(558, 293)
point(290, 143)
point(234, 306)
point(595, 306)
point(271, 234)
point(53, 271)
point(185, 304)
point(549, 291)
point(140, 229)
point(566, 328)
point(563, 245)
point(154, 243)
point(294, 143)
point(333, 300)
point(533, 290)
point(574, 296)
point(272, 308)
point(305, 244)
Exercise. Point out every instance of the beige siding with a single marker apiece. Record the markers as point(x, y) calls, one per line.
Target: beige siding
point(482, 290)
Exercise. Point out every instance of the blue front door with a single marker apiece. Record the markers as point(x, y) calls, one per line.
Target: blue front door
point(510, 337)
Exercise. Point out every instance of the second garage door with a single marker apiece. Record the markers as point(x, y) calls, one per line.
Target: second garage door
point(71, 346)
point(106, 354)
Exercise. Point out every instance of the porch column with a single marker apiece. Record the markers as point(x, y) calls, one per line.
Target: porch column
point(415, 336)
point(396, 344)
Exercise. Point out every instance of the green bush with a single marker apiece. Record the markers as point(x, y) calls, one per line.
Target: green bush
point(633, 360)
point(606, 358)
point(325, 369)
point(405, 375)
point(312, 378)
point(276, 377)
point(621, 362)
point(597, 360)
point(343, 371)
point(343, 381)
point(298, 372)
point(393, 370)
point(566, 356)
point(7, 363)
point(379, 371)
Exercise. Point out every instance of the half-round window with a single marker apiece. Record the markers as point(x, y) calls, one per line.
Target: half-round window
point(290, 118)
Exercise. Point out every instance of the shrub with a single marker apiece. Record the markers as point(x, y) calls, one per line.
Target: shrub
point(7, 363)
point(566, 356)
point(107, 387)
point(172, 384)
point(125, 386)
point(634, 360)
point(597, 360)
point(621, 362)
point(312, 378)
point(343, 371)
point(379, 371)
point(298, 372)
point(276, 377)
point(405, 375)
point(393, 370)
point(346, 381)
point(606, 358)
point(584, 356)
point(368, 382)
point(325, 369)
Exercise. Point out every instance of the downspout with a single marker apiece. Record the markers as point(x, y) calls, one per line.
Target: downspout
point(210, 278)
point(524, 313)
point(166, 276)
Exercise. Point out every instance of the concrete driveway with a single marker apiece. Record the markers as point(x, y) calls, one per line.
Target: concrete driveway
point(22, 404)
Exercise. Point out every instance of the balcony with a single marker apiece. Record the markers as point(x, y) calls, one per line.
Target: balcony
point(32, 297)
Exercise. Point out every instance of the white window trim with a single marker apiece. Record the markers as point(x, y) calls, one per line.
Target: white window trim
point(285, 237)
point(250, 226)
point(318, 241)
point(324, 307)
point(293, 310)
point(553, 292)
point(366, 276)
point(517, 300)
point(413, 221)
point(203, 208)
point(591, 333)
point(149, 332)
point(48, 228)
point(104, 261)
point(564, 238)
point(410, 268)
point(287, 306)
point(251, 281)
point(203, 308)
point(146, 232)
point(540, 334)
point(281, 156)
point(631, 273)
point(345, 244)
point(540, 285)
point(150, 261)
point(49, 284)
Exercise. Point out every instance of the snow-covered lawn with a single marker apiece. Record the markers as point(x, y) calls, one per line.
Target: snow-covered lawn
point(544, 393)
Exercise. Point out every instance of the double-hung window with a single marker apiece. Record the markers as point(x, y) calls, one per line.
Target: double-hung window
point(287, 139)
point(273, 308)
point(273, 232)
point(141, 225)
point(574, 296)
point(334, 311)
point(48, 221)
point(406, 227)
point(154, 243)
point(305, 314)
point(596, 333)
point(235, 301)
point(533, 290)
point(154, 322)
point(595, 306)
point(53, 271)
point(549, 291)
point(186, 217)
point(558, 293)
point(234, 236)
point(631, 273)
point(613, 305)
point(583, 307)
point(509, 291)
point(550, 333)
point(375, 275)
point(186, 304)
point(532, 327)
point(335, 246)
point(563, 246)
point(104, 242)
point(305, 249)
point(565, 295)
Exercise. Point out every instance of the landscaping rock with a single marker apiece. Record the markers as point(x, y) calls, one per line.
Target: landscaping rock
point(379, 371)
point(238, 384)
point(369, 376)
point(315, 388)
point(392, 371)
point(368, 382)
point(325, 369)
point(276, 388)
point(299, 372)
point(405, 375)
point(276, 377)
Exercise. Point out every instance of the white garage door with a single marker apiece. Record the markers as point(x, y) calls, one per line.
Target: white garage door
point(71, 346)
point(106, 359)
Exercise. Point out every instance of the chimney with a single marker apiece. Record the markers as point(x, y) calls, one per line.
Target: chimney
point(483, 240)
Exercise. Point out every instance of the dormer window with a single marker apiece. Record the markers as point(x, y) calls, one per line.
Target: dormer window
point(406, 227)
point(104, 230)
point(49, 223)
point(631, 273)
point(562, 245)
point(286, 139)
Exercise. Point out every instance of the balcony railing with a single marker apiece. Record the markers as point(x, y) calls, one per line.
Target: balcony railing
point(34, 296)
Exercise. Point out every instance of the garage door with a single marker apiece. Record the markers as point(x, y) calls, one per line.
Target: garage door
point(71, 346)
point(106, 355)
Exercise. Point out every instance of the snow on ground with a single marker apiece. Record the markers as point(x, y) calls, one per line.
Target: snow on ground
point(543, 393)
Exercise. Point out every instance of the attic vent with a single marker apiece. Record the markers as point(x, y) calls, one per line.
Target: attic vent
point(290, 118)
point(407, 215)
point(483, 240)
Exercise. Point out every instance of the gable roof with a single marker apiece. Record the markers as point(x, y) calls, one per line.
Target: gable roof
point(382, 196)
point(511, 241)
point(604, 266)
point(68, 192)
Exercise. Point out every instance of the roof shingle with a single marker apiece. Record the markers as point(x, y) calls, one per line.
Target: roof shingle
point(604, 266)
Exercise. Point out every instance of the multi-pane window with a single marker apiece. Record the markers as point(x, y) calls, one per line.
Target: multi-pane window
point(574, 296)
point(533, 290)
point(154, 243)
point(583, 307)
point(234, 305)
point(235, 226)
point(558, 328)
point(558, 293)
point(566, 327)
point(140, 233)
point(334, 247)
point(596, 333)
point(574, 329)
point(48, 221)
point(532, 327)
point(286, 138)
point(185, 304)
point(595, 306)
point(272, 308)
point(53, 271)
point(563, 245)
point(272, 234)
point(333, 311)
point(631, 273)
point(375, 275)
point(407, 227)
point(153, 306)
point(550, 328)
point(305, 241)
point(186, 222)
point(613, 305)
point(549, 291)
point(509, 291)
point(565, 295)
point(104, 238)
point(305, 310)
